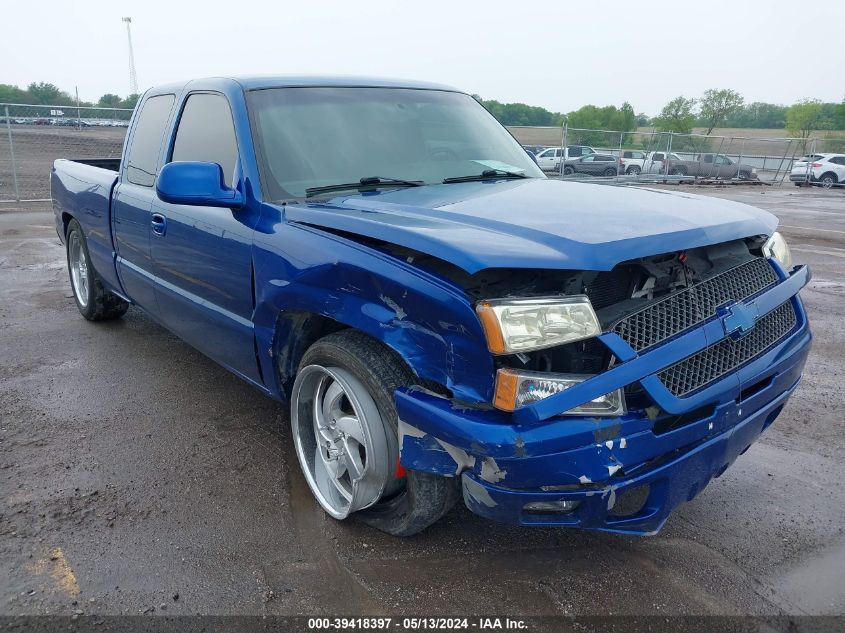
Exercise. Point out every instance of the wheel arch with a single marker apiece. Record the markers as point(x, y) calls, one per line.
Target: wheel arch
point(294, 332)
point(438, 338)
point(66, 218)
point(829, 173)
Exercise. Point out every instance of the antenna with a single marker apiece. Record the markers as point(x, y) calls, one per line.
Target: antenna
point(133, 78)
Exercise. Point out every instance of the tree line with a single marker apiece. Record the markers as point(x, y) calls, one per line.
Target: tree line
point(715, 108)
point(42, 93)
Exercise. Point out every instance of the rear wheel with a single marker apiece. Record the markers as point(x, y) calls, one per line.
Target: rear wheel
point(680, 170)
point(827, 180)
point(607, 173)
point(95, 303)
point(344, 424)
point(568, 171)
point(633, 170)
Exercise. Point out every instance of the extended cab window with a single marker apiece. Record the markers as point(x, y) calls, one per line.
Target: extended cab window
point(142, 157)
point(206, 133)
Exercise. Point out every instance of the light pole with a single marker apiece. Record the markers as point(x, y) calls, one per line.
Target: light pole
point(133, 78)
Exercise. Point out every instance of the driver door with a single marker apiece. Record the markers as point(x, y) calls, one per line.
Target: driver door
point(203, 255)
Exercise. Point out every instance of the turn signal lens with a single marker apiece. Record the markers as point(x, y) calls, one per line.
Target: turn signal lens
point(516, 389)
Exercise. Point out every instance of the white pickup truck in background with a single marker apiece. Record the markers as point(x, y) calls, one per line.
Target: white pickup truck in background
point(549, 159)
point(655, 162)
point(631, 162)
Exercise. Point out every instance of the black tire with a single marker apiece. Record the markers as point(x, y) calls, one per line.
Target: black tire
point(99, 304)
point(568, 170)
point(828, 180)
point(607, 173)
point(422, 498)
point(633, 170)
point(745, 175)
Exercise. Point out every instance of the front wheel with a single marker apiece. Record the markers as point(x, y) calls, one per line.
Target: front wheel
point(345, 430)
point(607, 173)
point(633, 170)
point(95, 303)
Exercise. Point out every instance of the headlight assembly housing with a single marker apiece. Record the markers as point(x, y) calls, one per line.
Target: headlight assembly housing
point(512, 326)
point(776, 248)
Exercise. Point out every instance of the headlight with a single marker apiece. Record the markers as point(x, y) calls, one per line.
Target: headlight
point(776, 248)
point(522, 325)
point(516, 389)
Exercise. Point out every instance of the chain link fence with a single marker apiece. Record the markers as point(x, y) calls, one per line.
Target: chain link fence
point(652, 156)
point(33, 136)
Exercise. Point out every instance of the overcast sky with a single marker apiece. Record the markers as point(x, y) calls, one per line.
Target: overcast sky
point(557, 54)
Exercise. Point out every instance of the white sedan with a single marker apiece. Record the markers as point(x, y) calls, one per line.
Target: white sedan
point(827, 170)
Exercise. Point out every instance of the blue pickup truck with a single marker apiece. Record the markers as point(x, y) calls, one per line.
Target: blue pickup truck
point(442, 319)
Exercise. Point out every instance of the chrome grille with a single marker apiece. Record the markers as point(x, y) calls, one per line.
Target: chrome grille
point(711, 363)
point(689, 307)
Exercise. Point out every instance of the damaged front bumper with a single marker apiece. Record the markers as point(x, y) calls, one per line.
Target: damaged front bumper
point(623, 474)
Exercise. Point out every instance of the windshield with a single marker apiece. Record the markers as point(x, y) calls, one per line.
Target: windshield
point(313, 137)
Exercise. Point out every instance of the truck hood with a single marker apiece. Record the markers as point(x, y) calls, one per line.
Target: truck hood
point(536, 223)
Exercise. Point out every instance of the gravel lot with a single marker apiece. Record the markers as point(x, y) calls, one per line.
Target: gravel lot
point(136, 476)
point(37, 146)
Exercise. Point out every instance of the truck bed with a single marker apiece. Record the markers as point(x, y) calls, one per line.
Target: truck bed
point(83, 189)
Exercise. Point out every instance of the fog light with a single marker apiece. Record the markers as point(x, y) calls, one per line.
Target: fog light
point(561, 506)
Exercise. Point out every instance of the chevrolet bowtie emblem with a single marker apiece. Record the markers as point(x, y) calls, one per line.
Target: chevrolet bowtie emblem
point(740, 319)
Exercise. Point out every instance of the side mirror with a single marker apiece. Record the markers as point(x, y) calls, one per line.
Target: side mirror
point(197, 184)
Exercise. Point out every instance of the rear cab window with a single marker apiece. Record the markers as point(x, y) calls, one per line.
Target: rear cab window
point(143, 152)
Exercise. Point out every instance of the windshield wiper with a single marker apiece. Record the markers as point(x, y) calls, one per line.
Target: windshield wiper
point(368, 182)
point(487, 174)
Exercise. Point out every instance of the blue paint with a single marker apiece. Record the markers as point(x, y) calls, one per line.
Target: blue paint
point(739, 319)
point(251, 283)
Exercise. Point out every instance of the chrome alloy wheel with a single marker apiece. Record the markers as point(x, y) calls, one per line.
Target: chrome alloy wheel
point(78, 269)
point(341, 439)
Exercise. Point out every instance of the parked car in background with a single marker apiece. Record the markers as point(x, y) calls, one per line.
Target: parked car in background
point(711, 166)
point(593, 165)
point(632, 162)
point(827, 170)
point(549, 159)
point(655, 162)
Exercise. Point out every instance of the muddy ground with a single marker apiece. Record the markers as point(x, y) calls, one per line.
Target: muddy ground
point(136, 476)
